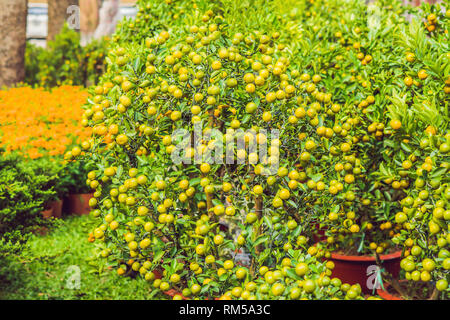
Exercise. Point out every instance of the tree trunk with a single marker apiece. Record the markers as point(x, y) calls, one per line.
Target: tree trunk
point(13, 29)
point(108, 15)
point(89, 19)
point(57, 15)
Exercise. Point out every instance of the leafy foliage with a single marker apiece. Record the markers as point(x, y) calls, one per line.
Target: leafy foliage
point(65, 61)
point(25, 188)
point(45, 266)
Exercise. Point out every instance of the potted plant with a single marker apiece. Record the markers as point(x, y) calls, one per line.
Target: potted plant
point(420, 156)
point(376, 166)
point(425, 209)
point(337, 149)
point(57, 204)
point(73, 178)
point(163, 215)
point(411, 290)
point(359, 229)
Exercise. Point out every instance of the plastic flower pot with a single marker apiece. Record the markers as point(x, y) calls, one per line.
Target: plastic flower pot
point(413, 291)
point(79, 203)
point(354, 269)
point(384, 294)
point(56, 206)
point(48, 213)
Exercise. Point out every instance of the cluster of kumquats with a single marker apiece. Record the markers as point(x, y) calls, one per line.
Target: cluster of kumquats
point(39, 122)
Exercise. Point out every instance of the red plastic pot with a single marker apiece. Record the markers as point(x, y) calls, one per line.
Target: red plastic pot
point(79, 203)
point(409, 289)
point(384, 294)
point(353, 269)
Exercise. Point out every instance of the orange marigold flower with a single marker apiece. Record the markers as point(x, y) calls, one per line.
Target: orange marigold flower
point(39, 122)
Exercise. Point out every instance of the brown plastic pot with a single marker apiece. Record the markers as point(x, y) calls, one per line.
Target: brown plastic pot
point(56, 206)
point(79, 203)
point(353, 269)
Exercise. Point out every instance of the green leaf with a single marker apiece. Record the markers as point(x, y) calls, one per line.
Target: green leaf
point(297, 231)
point(119, 171)
point(316, 177)
point(157, 257)
point(194, 182)
point(268, 222)
point(291, 273)
point(406, 147)
point(438, 173)
point(260, 240)
point(293, 204)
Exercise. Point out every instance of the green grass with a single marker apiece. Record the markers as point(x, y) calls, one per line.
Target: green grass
point(43, 269)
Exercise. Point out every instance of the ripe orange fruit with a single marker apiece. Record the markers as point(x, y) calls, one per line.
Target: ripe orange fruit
point(422, 74)
point(395, 124)
point(408, 81)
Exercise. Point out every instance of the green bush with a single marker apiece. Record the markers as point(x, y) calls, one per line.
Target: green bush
point(72, 178)
point(65, 61)
point(25, 188)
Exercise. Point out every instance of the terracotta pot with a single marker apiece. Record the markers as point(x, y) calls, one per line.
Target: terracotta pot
point(385, 293)
point(353, 269)
point(56, 206)
point(79, 203)
point(48, 213)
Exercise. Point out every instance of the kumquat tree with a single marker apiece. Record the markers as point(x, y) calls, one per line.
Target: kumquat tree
point(239, 150)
